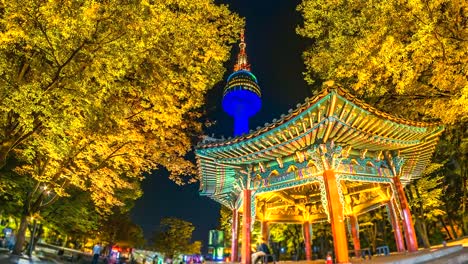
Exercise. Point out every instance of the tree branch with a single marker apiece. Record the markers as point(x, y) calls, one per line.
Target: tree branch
point(111, 155)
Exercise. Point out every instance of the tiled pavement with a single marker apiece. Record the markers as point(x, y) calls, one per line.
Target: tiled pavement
point(6, 258)
point(448, 255)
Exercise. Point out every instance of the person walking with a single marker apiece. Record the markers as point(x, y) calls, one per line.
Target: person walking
point(96, 253)
point(11, 241)
point(6, 234)
point(157, 260)
point(262, 250)
point(329, 258)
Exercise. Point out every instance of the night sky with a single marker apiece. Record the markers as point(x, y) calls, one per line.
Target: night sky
point(274, 52)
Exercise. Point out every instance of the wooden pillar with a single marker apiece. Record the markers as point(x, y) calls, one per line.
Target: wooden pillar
point(235, 236)
point(355, 234)
point(246, 222)
point(265, 231)
point(335, 209)
point(408, 227)
point(307, 239)
point(396, 227)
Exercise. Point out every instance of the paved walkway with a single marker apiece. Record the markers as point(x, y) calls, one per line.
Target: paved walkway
point(422, 256)
point(448, 255)
point(456, 254)
point(7, 258)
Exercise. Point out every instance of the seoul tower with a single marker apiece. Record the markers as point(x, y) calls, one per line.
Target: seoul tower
point(241, 98)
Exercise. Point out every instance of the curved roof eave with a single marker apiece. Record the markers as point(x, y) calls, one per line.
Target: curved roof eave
point(418, 130)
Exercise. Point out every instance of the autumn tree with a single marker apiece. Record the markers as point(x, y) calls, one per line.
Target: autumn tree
point(12, 190)
point(290, 237)
point(452, 153)
point(406, 57)
point(322, 238)
point(225, 224)
point(375, 229)
point(278, 238)
point(119, 229)
point(425, 196)
point(174, 237)
point(74, 217)
point(96, 93)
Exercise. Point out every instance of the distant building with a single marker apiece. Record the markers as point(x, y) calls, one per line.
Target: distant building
point(216, 244)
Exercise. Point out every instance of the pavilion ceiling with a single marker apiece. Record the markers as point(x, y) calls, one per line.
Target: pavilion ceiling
point(303, 203)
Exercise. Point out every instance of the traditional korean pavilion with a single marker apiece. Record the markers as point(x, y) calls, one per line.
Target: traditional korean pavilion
point(331, 159)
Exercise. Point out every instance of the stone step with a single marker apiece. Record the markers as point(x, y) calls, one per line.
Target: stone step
point(422, 256)
point(460, 257)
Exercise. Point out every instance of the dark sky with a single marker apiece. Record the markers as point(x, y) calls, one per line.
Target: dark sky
point(274, 52)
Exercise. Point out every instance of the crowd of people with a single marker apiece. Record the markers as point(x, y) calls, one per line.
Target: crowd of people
point(110, 255)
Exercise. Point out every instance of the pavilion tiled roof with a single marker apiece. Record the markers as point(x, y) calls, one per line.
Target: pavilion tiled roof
point(307, 104)
point(333, 114)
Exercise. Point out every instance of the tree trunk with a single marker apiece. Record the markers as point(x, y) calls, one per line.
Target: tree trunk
point(16, 221)
point(452, 227)
point(38, 235)
point(295, 250)
point(64, 243)
point(450, 234)
point(322, 247)
point(21, 235)
point(426, 237)
point(464, 174)
point(27, 211)
point(384, 227)
point(4, 150)
point(374, 238)
point(279, 250)
point(422, 233)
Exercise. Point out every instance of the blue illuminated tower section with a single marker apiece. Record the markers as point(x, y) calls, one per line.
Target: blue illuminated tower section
point(242, 94)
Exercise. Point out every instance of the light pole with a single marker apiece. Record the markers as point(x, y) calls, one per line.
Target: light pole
point(31, 240)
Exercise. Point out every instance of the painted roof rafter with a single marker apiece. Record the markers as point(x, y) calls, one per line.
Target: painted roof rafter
point(333, 115)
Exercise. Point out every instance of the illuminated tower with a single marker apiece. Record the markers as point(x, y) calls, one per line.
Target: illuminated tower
point(242, 94)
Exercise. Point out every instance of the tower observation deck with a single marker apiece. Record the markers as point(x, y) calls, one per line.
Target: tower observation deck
point(241, 98)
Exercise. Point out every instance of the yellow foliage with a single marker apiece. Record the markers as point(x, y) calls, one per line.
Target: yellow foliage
point(96, 93)
point(408, 57)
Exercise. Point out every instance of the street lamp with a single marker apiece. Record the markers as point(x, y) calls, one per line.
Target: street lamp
point(31, 239)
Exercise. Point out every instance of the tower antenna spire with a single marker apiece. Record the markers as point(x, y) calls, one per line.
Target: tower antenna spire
point(242, 63)
point(242, 95)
